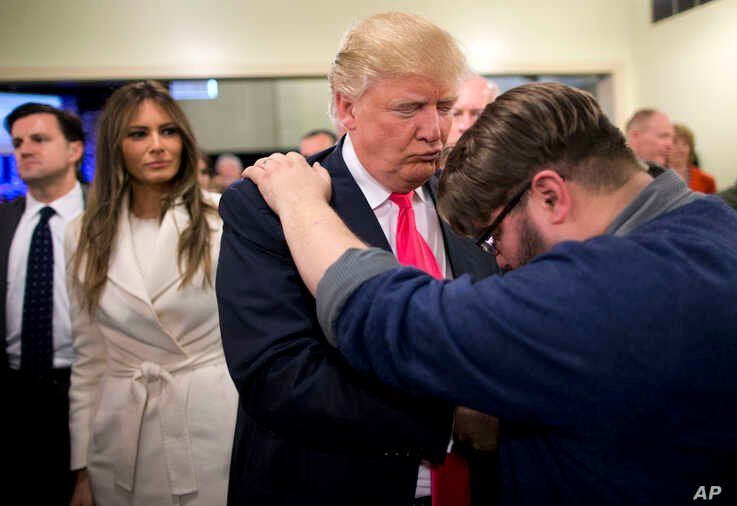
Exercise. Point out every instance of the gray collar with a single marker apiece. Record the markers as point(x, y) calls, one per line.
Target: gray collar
point(666, 193)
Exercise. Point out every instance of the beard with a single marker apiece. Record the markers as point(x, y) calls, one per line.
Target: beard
point(531, 242)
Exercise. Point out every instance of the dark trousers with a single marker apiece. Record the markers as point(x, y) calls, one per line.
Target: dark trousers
point(36, 447)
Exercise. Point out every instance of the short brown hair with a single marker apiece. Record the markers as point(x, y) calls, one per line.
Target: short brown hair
point(639, 119)
point(685, 133)
point(526, 130)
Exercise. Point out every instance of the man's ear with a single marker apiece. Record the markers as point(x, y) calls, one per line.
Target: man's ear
point(550, 192)
point(76, 151)
point(344, 108)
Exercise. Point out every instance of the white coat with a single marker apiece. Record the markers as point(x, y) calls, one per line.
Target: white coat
point(152, 406)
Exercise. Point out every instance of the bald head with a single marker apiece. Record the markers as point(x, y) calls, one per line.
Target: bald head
point(475, 93)
point(650, 135)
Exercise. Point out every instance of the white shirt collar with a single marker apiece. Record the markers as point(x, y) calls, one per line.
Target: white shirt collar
point(376, 193)
point(67, 206)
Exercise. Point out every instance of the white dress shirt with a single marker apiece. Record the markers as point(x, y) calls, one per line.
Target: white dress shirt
point(387, 214)
point(67, 208)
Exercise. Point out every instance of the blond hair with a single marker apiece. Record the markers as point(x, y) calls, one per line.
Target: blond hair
point(394, 44)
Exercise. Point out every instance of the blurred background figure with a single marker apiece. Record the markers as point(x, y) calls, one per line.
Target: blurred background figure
point(152, 407)
point(730, 195)
point(315, 141)
point(475, 93)
point(205, 172)
point(228, 168)
point(682, 159)
point(650, 135)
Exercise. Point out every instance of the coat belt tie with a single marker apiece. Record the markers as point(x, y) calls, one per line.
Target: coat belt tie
point(148, 378)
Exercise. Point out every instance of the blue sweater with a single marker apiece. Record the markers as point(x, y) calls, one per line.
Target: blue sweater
point(612, 363)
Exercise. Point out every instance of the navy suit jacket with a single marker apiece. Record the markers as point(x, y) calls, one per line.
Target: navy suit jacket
point(311, 430)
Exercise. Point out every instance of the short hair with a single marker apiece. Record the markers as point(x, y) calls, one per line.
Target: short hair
point(685, 133)
point(492, 89)
point(525, 130)
point(394, 44)
point(69, 124)
point(639, 119)
point(227, 157)
point(313, 133)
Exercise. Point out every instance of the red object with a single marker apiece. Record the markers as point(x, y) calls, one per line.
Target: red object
point(451, 485)
point(412, 249)
point(450, 481)
point(700, 181)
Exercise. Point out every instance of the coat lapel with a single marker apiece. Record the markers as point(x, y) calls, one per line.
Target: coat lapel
point(349, 202)
point(124, 270)
point(463, 255)
point(165, 269)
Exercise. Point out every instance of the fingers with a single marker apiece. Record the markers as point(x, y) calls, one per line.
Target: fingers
point(255, 173)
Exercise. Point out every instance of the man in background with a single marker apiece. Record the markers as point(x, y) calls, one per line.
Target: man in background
point(34, 316)
point(315, 141)
point(228, 168)
point(650, 135)
point(475, 93)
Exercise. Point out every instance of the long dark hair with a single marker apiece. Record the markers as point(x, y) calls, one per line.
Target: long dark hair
point(112, 183)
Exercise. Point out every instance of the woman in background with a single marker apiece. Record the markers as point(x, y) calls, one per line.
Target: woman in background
point(681, 159)
point(152, 407)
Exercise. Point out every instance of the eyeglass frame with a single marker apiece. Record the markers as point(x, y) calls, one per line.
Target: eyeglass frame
point(485, 239)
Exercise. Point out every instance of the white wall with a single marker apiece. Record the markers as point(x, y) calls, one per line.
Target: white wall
point(684, 65)
point(94, 39)
point(241, 119)
point(687, 66)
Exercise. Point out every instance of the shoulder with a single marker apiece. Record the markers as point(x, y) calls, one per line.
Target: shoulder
point(15, 204)
point(707, 183)
point(246, 215)
point(211, 197)
point(72, 232)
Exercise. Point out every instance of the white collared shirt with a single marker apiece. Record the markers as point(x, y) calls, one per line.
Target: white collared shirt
point(67, 208)
point(387, 214)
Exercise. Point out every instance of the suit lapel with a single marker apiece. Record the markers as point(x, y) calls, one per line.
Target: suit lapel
point(349, 202)
point(463, 255)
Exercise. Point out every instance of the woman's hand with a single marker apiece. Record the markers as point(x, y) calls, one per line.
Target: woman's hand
point(288, 180)
point(82, 495)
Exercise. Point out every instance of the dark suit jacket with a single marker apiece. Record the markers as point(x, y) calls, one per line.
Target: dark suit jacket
point(10, 215)
point(311, 430)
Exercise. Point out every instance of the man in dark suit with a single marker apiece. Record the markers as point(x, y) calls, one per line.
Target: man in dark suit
point(34, 323)
point(310, 430)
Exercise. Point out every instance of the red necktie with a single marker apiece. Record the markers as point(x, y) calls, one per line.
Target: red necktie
point(411, 246)
point(450, 481)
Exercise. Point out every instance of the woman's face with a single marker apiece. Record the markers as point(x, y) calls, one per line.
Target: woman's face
point(679, 153)
point(152, 146)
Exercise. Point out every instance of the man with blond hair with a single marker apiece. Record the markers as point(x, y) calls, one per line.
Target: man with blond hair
point(650, 135)
point(475, 94)
point(310, 430)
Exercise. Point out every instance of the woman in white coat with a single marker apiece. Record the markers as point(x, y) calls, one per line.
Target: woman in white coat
point(152, 406)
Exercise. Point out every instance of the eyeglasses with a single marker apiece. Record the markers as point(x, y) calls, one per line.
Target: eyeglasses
point(485, 240)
